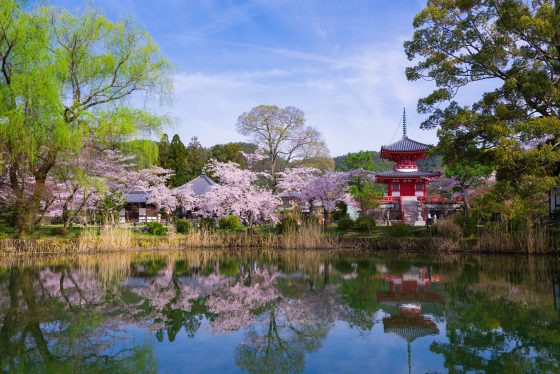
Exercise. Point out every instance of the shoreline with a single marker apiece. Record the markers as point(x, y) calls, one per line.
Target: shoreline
point(23, 247)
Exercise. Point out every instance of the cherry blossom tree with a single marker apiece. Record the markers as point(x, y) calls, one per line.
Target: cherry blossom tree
point(241, 192)
point(326, 188)
point(296, 179)
point(97, 180)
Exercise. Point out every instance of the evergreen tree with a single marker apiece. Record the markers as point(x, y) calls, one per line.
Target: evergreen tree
point(177, 161)
point(164, 149)
point(195, 159)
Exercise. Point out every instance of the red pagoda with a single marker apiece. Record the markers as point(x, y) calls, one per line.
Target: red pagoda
point(405, 183)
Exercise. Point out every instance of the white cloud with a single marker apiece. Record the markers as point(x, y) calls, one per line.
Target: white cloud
point(356, 101)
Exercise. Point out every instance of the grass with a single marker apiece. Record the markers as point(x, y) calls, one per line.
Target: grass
point(51, 239)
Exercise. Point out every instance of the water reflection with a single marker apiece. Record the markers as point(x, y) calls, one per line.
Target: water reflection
point(279, 312)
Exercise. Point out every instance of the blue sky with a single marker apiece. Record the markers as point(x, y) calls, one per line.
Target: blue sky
point(341, 62)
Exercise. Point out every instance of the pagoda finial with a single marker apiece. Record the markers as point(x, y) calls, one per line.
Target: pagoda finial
point(404, 122)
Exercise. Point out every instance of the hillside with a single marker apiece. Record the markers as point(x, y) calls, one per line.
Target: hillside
point(370, 160)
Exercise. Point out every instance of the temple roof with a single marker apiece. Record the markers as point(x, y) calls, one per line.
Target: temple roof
point(405, 145)
point(410, 174)
point(137, 197)
point(199, 185)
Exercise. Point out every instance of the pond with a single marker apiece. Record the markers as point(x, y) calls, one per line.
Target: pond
point(259, 312)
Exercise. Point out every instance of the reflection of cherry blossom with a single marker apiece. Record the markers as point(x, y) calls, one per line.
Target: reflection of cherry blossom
point(76, 286)
point(164, 291)
point(235, 306)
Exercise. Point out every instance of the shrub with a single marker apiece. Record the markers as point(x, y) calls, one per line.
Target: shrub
point(399, 230)
point(345, 223)
point(59, 231)
point(183, 226)
point(230, 222)
point(341, 211)
point(448, 229)
point(468, 224)
point(156, 228)
point(364, 223)
point(207, 223)
point(288, 224)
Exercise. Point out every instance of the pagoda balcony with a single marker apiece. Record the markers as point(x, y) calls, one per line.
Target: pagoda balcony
point(424, 199)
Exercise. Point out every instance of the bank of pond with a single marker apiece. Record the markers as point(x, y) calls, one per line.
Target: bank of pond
point(279, 311)
point(441, 238)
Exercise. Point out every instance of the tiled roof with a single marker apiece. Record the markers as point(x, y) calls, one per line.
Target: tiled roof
point(199, 185)
point(413, 174)
point(137, 196)
point(405, 144)
point(289, 195)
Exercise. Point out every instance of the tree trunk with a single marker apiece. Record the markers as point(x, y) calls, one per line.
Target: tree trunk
point(466, 204)
point(27, 207)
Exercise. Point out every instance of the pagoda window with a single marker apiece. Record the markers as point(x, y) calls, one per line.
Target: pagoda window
point(419, 187)
point(396, 187)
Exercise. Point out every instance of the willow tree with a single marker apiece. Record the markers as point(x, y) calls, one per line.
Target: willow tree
point(65, 80)
point(514, 127)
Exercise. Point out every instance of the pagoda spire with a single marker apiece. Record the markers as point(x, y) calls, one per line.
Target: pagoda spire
point(404, 122)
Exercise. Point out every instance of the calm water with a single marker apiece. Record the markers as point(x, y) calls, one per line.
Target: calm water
point(213, 312)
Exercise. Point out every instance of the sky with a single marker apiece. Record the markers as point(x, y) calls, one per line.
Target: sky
point(341, 62)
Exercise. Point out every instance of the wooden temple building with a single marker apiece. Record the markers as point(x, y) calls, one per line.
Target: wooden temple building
point(406, 198)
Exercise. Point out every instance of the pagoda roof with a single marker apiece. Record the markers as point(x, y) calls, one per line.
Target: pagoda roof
point(410, 327)
point(408, 174)
point(405, 145)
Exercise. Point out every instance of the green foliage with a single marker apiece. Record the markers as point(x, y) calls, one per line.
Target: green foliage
point(208, 223)
point(195, 158)
point(399, 230)
point(164, 152)
point(364, 223)
point(467, 224)
point(341, 211)
point(230, 152)
point(287, 224)
point(183, 226)
point(177, 162)
point(367, 160)
point(513, 129)
point(365, 192)
point(345, 223)
point(145, 152)
point(230, 222)
point(64, 83)
point(59, 231)
point(156, 228)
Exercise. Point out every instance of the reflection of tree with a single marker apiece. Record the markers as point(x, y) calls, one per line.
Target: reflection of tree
point(279, 346)
point(493, 330)
point(280, 328)
point(58, 329)
point(177, 301)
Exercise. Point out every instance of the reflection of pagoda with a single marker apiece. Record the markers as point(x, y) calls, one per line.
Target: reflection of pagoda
point(409, 291)
point(410, 325)
point(412, 286)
